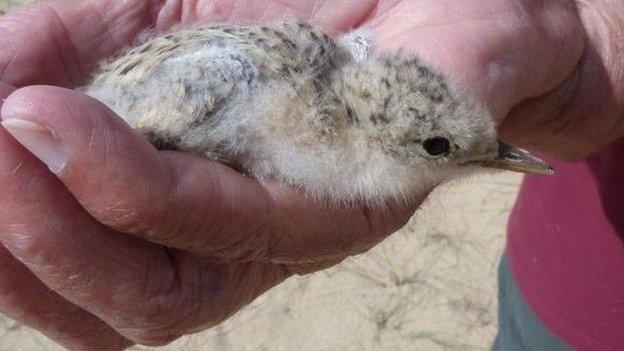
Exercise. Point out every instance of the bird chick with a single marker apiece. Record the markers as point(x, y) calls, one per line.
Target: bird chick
point(286, 101)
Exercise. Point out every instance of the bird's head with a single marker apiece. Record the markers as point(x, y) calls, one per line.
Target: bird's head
point(420, 120)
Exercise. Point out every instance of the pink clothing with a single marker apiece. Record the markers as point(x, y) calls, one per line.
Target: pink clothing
point(566, 250)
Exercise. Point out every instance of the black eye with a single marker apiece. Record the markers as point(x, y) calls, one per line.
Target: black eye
point(436, 146)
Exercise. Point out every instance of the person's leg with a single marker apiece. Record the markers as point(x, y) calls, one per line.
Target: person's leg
point(519, 328)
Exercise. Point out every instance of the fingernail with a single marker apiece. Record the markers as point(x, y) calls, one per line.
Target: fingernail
point(39, 140)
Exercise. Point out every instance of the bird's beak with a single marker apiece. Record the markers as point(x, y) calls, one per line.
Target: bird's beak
point(518, 160)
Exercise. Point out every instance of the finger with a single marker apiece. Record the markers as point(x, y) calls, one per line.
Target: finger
point(131, 285)
point(60, 42)
point(5, 91)
point(26, 299)
point(484, 46)
point(586, 112)
point(182, 200)
point(147, 293)
point(334, 17)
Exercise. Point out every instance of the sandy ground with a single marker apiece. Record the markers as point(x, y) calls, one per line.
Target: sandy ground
point(429, 287)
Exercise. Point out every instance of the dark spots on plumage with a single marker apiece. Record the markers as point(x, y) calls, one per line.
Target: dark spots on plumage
point(322, 50)
point(145, 49)
point(411, 63)
point(161, 141)
point(280, 35)
point(386, 102)
point(453, 105)
point(248, 69)
point(129, 67)
point(395, 152)
point(314, 36)
point(385, 82)
point(437, 97)
point(172, 47)
point(172, 38)
point(350, 115)
point(167, 48)
point(318, 86)
point(391, 61)
point(227, 30)
point(289, 43)
point(378, 118)
point(433, 92)
point(261, 41)
point(211, 109)
point(284, 69)
point(330, 64)
point(325, 117)
point(303, 25)
point(424, 71)
point(417, 114)
point(265, 29)
point(294, 85)
point(366, 94)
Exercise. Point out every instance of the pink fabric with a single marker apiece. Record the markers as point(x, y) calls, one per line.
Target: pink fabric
point(566, 250)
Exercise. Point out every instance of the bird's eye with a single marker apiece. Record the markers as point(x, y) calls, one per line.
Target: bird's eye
point(437, 146)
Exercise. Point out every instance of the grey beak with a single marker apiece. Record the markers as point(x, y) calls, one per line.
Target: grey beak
point(518, 160)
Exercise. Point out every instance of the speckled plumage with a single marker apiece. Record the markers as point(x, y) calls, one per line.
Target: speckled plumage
point(286, 101)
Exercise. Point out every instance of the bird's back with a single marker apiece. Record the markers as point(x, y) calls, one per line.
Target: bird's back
point(260, 98)
point(168, 84)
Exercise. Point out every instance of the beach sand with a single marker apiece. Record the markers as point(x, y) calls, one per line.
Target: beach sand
point(429, 287)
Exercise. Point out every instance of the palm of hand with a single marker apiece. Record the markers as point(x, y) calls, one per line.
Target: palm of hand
point(501, 50)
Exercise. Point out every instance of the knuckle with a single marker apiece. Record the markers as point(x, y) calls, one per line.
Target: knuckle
point(152, 336)
point(161, 323)
point(131, 215)
point(143, 208)
point(26, 248)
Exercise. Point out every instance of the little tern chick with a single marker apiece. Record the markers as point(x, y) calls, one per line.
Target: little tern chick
point(286, 101)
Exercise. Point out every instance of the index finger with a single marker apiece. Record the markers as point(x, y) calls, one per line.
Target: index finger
point(59, 43)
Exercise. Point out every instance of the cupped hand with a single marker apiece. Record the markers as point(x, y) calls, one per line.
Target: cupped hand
point(115, 243)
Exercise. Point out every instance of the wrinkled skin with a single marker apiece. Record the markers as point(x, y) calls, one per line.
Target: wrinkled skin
point(176, 243)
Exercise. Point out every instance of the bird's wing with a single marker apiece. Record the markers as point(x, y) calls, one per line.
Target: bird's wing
point(170, 84)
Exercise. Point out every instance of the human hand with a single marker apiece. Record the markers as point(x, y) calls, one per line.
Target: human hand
point(550, 71)
point(128, 242)
point(136, 245)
